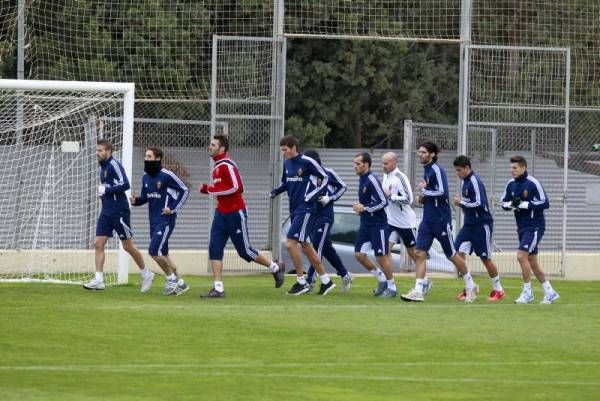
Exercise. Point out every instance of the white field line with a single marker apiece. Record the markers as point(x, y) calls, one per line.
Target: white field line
point(202, 372)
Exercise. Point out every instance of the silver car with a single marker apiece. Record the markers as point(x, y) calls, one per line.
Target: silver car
point(343, 237)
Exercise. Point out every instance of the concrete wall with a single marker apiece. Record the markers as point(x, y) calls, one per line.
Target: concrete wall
point(578, 265)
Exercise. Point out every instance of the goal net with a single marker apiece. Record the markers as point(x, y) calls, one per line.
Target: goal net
point(48, 197)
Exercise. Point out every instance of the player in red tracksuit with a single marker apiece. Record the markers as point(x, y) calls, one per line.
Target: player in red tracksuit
point(231, 218)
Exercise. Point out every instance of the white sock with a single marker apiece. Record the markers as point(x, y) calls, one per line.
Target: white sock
point(547, 287)
point(171, 277)
point(496, 283)
point(379, 274)
point(391, 285)
point(419, 284)
point(527, 287)
point(99, 276)
point(325, 279)
point(274, 267)
point(301, 280)
point(468, 280)
point(145, 272)
point(219, 286)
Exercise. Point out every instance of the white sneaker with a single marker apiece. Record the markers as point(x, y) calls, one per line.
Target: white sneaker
point(346, 282)
point(94, 284)
point(550, 299)
point(526, 297)
point(471, 294)
point(147, 282)
point(414, 295)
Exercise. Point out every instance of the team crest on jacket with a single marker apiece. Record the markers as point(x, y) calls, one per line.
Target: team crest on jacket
point(364, 190)
point(525, 193)
point(466, 192)
point(105, 174)
point(158, 184)
point(299, 173)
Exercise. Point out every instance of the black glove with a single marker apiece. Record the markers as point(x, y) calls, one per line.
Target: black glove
point(516, 202)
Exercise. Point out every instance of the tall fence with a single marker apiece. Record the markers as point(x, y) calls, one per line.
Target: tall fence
point(225, 63)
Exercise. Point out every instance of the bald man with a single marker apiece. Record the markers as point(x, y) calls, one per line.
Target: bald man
point(402, 220)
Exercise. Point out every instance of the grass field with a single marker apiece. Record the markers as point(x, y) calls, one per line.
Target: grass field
point(63, 343)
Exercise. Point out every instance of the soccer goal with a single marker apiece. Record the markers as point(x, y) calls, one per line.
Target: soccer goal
point(48, 185)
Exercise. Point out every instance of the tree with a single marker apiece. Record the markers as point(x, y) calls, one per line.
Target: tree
point(356, 93)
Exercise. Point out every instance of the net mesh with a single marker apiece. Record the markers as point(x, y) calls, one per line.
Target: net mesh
point(571, 24)
point(164, 47)
point(49, 181)
point(399, 19)
point(517, 85)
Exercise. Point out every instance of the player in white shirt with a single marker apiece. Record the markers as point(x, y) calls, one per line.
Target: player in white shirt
point(402, 220)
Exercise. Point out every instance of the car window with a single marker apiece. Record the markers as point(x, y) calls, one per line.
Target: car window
point(345, 228)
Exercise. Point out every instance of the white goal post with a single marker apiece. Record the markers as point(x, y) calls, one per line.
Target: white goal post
point(48, 133)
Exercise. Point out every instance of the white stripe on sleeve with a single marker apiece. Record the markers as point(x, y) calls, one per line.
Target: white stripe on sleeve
point(380, 194)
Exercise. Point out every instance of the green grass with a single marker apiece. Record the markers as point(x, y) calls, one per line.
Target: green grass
point(63, 343)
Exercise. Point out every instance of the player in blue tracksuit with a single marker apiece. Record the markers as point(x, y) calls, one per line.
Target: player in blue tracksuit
point(374, 231)
point(526, 196)
point(436, 224)
point(476, 233)
point(303, 179)
point(165, 194)
point(114, 216)
point(323, 223)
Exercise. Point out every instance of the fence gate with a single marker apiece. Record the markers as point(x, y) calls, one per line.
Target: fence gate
point(518, 102)
point(247, 94)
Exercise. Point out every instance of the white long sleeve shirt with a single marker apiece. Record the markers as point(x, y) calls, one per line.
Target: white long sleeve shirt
point(400, 213)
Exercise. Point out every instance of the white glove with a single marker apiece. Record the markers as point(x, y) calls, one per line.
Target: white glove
point(507, 205)
point(395, 198)
point(101, 190)
point(524, 205)
point(324, 200)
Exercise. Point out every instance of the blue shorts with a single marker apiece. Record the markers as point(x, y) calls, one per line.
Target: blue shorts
point(475, 238)
point(530, 239)
point(232, 225)
point(408, 236)
point(441, 231)
point(373, 238)
point(159, 237)
point(301, 227)
point(107, 224)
